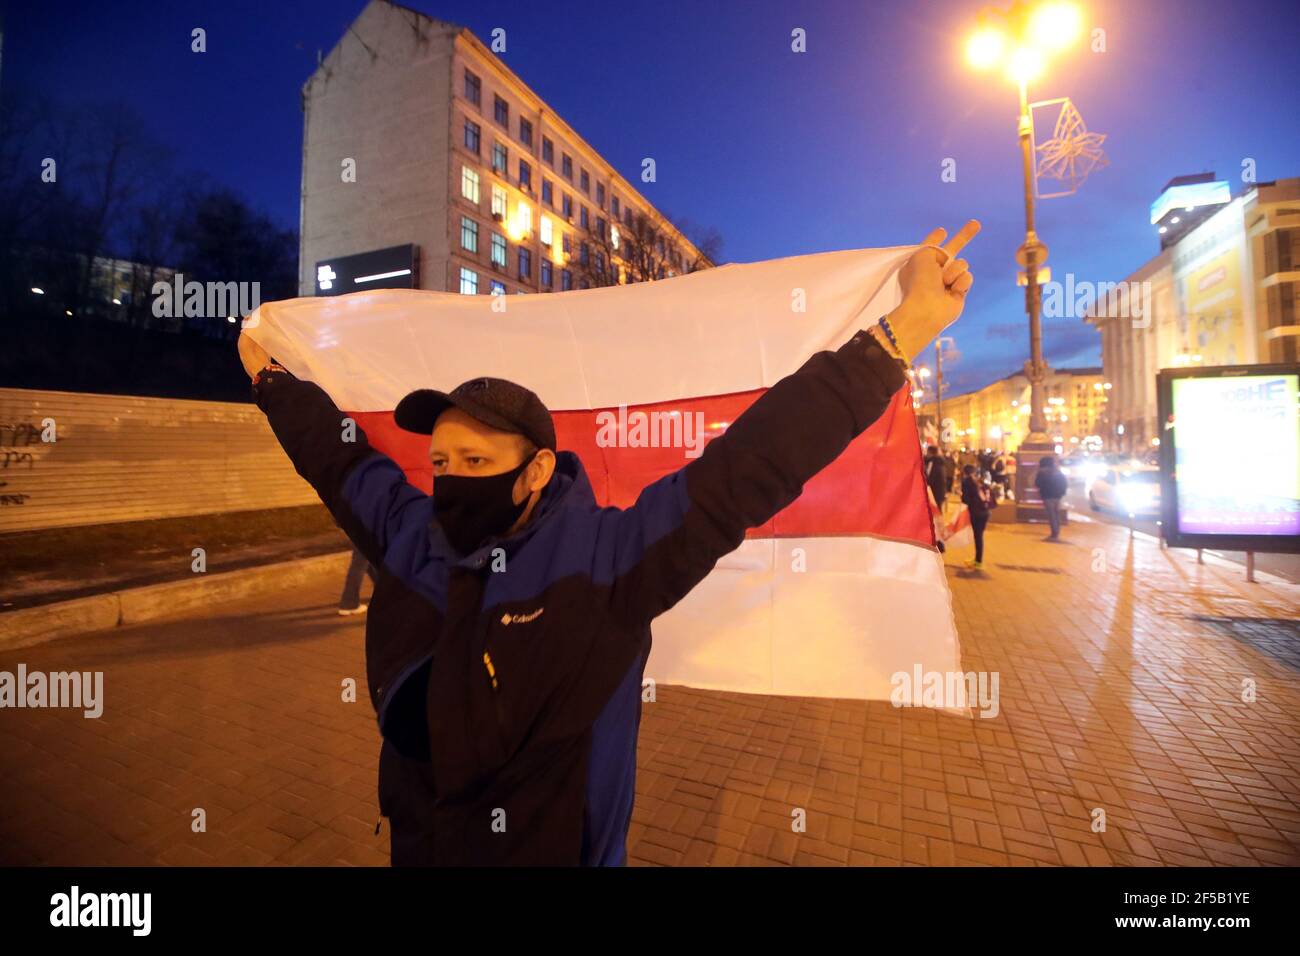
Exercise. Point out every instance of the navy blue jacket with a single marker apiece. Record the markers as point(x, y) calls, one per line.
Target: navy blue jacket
point(533, 760)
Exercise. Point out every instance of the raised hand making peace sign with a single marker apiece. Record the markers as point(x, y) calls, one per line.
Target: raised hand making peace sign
point(934, 286)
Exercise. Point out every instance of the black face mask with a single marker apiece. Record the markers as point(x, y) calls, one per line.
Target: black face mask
point(472, 509)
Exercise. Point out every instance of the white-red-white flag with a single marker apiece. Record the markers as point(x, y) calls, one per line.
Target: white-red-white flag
point(842, 594)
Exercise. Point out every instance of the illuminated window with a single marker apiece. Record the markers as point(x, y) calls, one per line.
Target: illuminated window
point(473, 88)
point(468, 234)
point(613, 236)
point(498, 250)
point(497, 287)
point(469, 184)
point(498, 200)
point(525, 217)
point(546, 230)
point(468, 281)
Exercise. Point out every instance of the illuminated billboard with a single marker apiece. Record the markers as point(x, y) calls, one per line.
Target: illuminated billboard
point(1230, 457)
point(1189, 196)
point(391, 268)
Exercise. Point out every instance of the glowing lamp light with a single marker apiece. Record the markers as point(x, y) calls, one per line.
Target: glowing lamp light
point(924, 372)
point(1055, 25)
point(1025, 64)
point(38, 291)
point(984, 49)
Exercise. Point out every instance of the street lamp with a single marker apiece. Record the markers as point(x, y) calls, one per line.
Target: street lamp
point(1018, 40)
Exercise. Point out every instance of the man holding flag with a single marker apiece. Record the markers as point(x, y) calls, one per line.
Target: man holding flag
point(510, 624)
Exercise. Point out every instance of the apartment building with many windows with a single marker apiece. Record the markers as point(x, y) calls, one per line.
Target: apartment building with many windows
point(427, 163)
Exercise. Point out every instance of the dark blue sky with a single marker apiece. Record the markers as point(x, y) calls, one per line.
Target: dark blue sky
point(784, 154)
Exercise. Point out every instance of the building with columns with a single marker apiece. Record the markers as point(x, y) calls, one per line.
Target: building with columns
point(1223, 290)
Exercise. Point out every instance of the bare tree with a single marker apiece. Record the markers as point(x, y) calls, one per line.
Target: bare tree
point(640, 248)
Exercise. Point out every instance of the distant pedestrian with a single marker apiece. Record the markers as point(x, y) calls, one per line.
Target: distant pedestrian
point(977, 499)
point(350, 600)
point(1052, 485)
point(1000, 475)
point(936, 474)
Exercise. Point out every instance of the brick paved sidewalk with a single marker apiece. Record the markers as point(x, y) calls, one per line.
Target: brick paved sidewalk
point(1121, 673)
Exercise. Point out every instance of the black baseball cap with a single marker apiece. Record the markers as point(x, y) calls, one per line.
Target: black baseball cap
point(503, 405)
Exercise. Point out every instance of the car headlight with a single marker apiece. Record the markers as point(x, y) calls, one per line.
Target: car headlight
point(1136, 496)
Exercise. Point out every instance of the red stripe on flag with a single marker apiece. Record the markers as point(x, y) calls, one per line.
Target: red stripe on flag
point(875, 487)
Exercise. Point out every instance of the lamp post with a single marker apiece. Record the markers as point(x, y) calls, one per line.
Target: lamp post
point(1017, 39)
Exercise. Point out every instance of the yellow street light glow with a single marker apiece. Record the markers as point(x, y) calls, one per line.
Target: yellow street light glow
point(1055, 25)
point(984, 49)
point(1025, 64)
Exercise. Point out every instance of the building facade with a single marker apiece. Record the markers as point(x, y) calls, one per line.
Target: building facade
point(429, 160)
point(1222, 291)
point(997, 416)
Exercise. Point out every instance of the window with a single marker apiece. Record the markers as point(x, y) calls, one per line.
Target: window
point(525, 132)
point(497, 287)
point(584, 254)
point(471, 136)
point(498, 250)
point(473, 88)
point(525, 263)
point(547, 236)
point(600, 263)
point(566, 280)
point(566, 207)
point(582, 218)
point(468, 281)
point(500, 159)
point(548, 151)
point(600, 227)
point(469, 184)
point(501, 111)
point(546, 272)
point(526, 218)
point(627, 216)
point(613, 205)
point(468, 234)
point(600, 195)
point(584, 181)
point(613, 236)
point(525, 175)
point(566, 166)
point(566, 245)
point(498, 201)
point(548, 196)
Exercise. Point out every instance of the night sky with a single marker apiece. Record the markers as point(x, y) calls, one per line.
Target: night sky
point(783, 153)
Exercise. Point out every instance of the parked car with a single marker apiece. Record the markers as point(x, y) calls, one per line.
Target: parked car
point(1129, 491)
